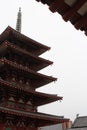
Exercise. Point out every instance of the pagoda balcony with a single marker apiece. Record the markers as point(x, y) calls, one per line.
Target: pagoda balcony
point(23, 41)
point(38, 98)
point(14, 53)
point(36, 79)
point(16, 105)
point(40, 118)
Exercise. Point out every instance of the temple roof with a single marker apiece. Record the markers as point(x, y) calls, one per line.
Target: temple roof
point(38, 97)
point(14, 36)
point(35, 63)
point(42, 119)
point(74, 11)
point(80, 122)
point(37, 79)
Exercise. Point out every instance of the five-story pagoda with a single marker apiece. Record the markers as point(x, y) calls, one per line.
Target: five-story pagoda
point(19, 79)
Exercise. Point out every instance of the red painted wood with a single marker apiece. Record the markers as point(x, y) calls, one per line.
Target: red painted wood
point(1, 127)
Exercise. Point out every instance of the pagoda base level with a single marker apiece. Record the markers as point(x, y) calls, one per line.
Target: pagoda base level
point(3, 127)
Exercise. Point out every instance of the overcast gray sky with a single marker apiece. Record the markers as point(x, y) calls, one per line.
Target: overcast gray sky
point(68, 52)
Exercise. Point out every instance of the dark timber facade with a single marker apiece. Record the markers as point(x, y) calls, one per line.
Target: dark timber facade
point(19, 79)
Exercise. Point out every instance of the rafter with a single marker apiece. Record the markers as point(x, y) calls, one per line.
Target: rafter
point(54, 6)
point(82, 22)
point(71, 12)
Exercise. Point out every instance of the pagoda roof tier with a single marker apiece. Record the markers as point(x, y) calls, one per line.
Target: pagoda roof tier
point(35, 63)
point(16, 37)
point(74, 11)
point(38, 97)
point(36, 79)
point(40, 118)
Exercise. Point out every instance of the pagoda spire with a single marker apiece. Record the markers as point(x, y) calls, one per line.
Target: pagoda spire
point(18, 24)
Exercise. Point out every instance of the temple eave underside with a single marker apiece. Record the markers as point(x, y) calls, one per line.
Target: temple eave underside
point(38, 97)
point(39, 119)
point(35, 63)
point(74, 11)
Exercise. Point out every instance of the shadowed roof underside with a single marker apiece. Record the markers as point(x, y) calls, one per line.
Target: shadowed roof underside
point(74, 11)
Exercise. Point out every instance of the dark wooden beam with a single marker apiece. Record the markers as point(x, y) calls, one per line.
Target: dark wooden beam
point(54, 5)
point(86, 32)
point(63, 8)
point(82, 22)
point(71, 12)
point(75, 18)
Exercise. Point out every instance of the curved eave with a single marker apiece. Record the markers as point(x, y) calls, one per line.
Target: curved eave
point(74, 11)
point(11, 34)
point(36, 63)
point(38, 97)
point(37, 79)
point(41, 119)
